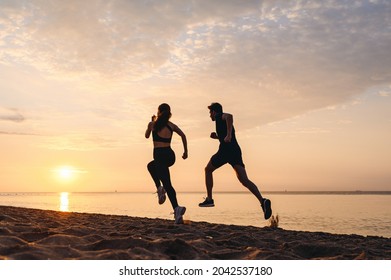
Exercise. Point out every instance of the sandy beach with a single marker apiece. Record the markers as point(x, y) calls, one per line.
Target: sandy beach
point(30, 234)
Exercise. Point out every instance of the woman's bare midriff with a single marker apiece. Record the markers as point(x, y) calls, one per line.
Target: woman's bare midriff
point(160, 145)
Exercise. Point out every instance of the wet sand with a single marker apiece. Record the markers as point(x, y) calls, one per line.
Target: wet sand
point(31, 234)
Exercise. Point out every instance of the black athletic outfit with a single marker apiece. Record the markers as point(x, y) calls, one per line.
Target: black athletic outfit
point(163, 158)
point(228, 152)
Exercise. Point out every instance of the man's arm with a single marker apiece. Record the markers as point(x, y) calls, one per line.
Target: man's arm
point(213, 135)
point(229, 120)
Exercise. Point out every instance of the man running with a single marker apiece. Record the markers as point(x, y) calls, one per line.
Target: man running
point(229, 152)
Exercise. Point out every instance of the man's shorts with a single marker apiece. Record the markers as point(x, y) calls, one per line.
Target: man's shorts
point(230, 154)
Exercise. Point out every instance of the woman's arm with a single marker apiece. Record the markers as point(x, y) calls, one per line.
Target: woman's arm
point(150, 127)
point(184, 140)
point(149, 130)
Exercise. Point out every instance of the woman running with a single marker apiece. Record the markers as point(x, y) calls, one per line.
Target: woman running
point(164, 157)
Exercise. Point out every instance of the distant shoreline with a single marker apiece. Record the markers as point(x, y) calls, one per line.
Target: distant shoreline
point(358, 192)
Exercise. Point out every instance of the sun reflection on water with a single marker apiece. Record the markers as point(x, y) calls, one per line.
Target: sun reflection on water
point(64, 202)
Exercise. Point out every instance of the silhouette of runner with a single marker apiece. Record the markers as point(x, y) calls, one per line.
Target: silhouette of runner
point(229, 152)
point(164, 157)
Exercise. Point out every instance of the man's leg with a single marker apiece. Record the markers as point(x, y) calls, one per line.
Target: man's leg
point(209, 185)
point(242, 176)
point(209, 179)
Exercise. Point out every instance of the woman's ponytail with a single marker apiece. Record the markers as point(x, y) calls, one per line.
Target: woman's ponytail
point(163, 117)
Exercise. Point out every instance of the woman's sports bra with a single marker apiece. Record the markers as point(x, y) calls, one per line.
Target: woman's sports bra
point(157, 138)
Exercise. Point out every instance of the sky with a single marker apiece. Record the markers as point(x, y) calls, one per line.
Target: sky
point(307, 82)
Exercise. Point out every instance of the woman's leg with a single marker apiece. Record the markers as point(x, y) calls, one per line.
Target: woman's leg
point(154, 173)
point(164, 174)
point(164, 158)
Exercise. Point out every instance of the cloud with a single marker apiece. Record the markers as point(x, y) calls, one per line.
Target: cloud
point(81, 142)
point(16, 133)
point(385, 92)
point(267, 60)
point(11, 115)
point(132, 38)
point(140, 37)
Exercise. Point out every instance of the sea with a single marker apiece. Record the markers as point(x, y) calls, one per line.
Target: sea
point(360, 213)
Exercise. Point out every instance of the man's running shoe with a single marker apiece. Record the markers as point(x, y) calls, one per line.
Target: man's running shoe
point(161, 193)
point(267, 208)
point(178, 214)
point(207, 203)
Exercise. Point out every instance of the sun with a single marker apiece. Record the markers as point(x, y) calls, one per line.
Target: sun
point(66, 173)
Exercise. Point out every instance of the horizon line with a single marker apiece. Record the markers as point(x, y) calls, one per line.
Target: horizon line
point(202, 192)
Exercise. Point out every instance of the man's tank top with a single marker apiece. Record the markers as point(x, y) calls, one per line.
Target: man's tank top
point(221, 130)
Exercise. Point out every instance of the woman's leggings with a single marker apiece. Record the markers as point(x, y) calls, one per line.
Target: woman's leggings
point(163, 158)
